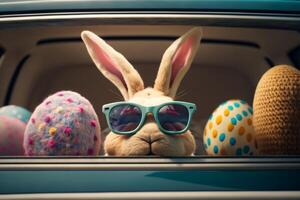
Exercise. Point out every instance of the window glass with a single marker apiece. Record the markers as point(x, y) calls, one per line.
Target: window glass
point(56, 93)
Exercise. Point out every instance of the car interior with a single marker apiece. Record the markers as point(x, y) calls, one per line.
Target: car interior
point(228, 64)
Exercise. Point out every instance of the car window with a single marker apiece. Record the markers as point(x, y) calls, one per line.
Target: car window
point(221, 82)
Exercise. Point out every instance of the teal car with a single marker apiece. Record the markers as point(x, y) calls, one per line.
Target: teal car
point(40, 46)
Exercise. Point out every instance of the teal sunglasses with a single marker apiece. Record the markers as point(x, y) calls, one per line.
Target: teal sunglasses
point(127, 118)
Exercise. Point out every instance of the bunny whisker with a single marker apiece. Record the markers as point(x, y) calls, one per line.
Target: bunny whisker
point(117, 97)
point(131, 121)
point(182, 93)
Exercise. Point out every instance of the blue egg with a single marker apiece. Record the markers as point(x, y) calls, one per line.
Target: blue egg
point(239, 152)
point(15, 112)
point(239, 117)
point(208, 141)
point(236, 104)
point(243, 102)
point(222, 137)
point(245, 113)
point(232, 141)
point(216, 149)
point(230, 108)
point(246, 149)
point(250, 110)
point(233, 121)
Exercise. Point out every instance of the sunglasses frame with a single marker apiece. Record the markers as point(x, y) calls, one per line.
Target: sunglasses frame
point(107, 108)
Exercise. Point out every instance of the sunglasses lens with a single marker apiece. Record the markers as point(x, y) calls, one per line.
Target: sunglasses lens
point(173, 117)
point(125, 118)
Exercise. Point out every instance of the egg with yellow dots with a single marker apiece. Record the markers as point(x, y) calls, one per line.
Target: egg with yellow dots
point(229, 130)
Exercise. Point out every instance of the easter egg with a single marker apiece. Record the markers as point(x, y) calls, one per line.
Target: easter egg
point(277, 111)
point(11, 136)
point(229, 130)
point(65, 123)
point(15, 112)
point(13, 121)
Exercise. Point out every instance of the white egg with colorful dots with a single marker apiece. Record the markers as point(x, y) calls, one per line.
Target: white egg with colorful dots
point(64, 124)
point(229, 130)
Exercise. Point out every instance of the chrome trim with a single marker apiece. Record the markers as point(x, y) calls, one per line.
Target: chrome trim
point(186, 15)
point(111, 164)
point(152, 12)
point(272, 195)
point(144, 160)
point(148, 167)
point(188, 18)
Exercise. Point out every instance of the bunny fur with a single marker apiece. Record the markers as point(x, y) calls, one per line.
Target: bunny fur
point(176, 61)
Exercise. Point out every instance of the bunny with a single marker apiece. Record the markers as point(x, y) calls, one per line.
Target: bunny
point(176, 61)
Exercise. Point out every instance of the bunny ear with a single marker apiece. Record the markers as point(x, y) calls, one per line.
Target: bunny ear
point(113, 65)
point(176, 61)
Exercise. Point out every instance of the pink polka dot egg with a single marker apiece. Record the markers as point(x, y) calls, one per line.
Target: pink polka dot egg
point(65, 123)
point(13, 121)
point(229, 130)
